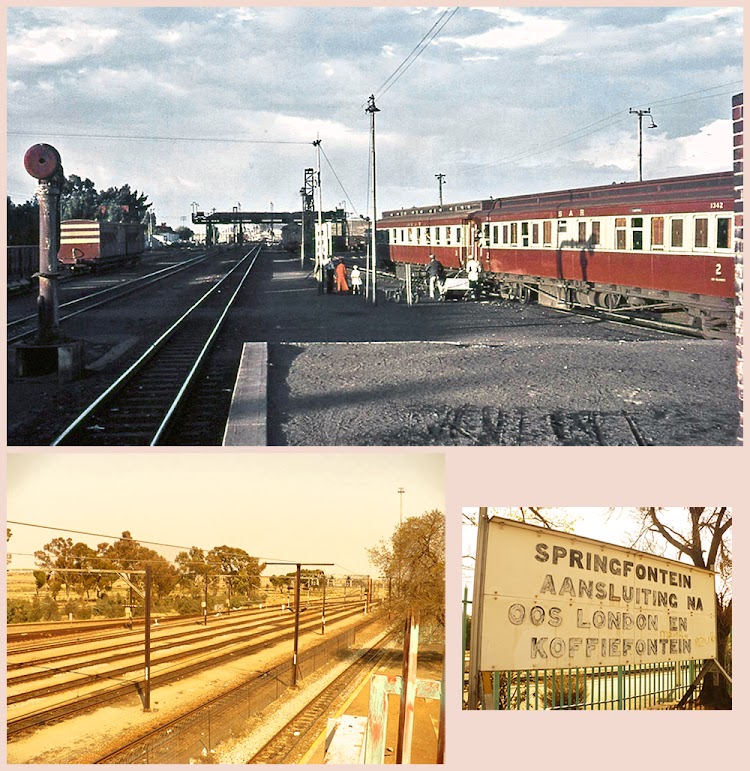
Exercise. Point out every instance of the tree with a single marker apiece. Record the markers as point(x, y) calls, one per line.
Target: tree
point(413, 563)
point(185, 234)
point(79, 199)
point(241, 572)
point(23, 223)
point(57, 554)
point(192, 567)
point(702, 534)
point(120, 204)
point(127, 555)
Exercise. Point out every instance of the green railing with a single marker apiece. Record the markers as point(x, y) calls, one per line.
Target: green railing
point(632, 686)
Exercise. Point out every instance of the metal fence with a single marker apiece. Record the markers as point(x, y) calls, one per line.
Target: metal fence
point(632, 686)
point(196, 735)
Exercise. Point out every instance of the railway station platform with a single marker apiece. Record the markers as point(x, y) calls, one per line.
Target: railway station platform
point(342, 371)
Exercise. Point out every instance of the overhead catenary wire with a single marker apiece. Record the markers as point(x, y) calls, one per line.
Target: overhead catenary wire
point(341, 185)
point(149, 138)
point(119, 538)
point(416, 52)
point(606, 123)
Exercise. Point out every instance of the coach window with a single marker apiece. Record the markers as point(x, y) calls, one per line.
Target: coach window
point(562, 226)
point(677, 233)
point(621, 241)
point(657, 232)
point(636, 223)
point(448, 236)
point(596, 233)
point(419, 235)
point(722, 233)
point(535, 233)
point(525, 233)
point(505, 234)
point(547, 232)
point(581, 232)
point(701, 232)
point(458, 235)
point(513, 233)
point(437, 235)
point(495, 235)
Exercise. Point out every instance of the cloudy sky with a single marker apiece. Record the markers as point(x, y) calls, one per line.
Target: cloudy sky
point(306, 507)
point(219, 106)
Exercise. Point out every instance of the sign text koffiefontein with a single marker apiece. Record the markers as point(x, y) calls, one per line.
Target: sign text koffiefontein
point(553, 599)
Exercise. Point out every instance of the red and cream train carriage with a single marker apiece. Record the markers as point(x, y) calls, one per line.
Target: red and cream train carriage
point(665, 243)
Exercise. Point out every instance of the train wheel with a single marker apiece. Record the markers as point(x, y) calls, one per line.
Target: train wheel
point(523, 294)
point(505, 291)
point(609, 300)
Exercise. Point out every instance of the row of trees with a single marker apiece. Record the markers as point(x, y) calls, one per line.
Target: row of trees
point(227, 566)
point(79, 199)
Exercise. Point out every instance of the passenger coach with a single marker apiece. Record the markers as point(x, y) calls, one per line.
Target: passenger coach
point(665, 244)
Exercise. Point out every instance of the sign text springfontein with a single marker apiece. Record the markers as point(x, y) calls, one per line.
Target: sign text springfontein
point(554, 599)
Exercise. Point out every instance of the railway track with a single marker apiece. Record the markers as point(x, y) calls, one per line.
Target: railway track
point(293, 738)
point(139, 407)
point(127, 639)
point(193, 662)
point(22, 328)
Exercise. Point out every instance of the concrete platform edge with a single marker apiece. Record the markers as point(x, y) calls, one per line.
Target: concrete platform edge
point(247, 421)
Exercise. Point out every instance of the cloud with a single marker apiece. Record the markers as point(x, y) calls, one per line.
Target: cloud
point(520, 30)
point(56, 45)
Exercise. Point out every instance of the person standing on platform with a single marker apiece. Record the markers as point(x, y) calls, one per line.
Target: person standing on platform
point(341, 285)
point(356, 278)
point(473, 270)
point(436, 274)
point(328, 271)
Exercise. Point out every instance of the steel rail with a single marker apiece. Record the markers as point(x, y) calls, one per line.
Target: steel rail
point(199, 361)
point(111, 756)
point(116, 292)
point(228, 626)
point(288, 739)
point(81, 703)
point(146, 355)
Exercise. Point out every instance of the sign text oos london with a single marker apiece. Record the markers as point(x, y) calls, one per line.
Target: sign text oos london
point(553, 599)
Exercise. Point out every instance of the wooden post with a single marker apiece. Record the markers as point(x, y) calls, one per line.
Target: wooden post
point(409, 689)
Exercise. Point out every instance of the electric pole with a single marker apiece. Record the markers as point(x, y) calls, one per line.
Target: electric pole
point(401, 492)
point(372, 109)
point(640, 114)
point(440, 178)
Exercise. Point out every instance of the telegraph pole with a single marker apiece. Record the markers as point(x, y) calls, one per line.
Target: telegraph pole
point(372, 109)
point(440, 178)
point(147, 641)
point(401, 492)
point(295, 666)
point(640, 114)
